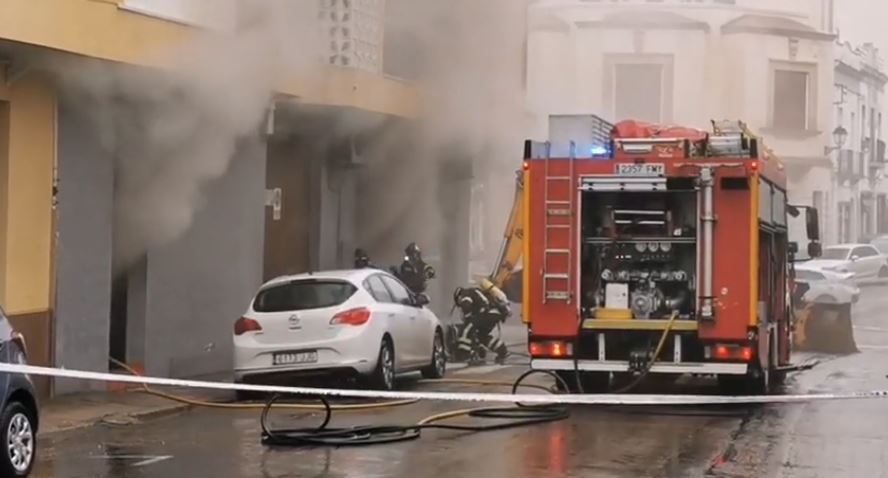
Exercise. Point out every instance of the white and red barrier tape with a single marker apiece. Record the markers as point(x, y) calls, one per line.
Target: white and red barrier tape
point(540, 399)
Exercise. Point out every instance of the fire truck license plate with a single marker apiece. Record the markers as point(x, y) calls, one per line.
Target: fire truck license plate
point(641, 169)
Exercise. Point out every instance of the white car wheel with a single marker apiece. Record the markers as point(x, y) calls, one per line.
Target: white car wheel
point(383, 376)
point(438, 365)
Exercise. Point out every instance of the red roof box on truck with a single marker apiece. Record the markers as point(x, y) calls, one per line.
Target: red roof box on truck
point(631, 129)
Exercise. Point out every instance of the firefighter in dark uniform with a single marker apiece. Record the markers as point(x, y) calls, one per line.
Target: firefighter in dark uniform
point(482, 311)
point(362, 260)
point(414, 272)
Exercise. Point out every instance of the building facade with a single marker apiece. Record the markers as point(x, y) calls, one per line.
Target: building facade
point(859, 159)
point(100, 261)
point(769, 64)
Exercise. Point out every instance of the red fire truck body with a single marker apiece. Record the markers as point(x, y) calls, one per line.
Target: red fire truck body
point(650, 233)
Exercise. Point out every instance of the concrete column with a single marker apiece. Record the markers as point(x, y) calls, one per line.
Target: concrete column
point(454, 198)
point(83, 274)
point(198, 285)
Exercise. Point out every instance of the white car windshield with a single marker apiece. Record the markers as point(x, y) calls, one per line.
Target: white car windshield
point(836, 253)
point(303, 295)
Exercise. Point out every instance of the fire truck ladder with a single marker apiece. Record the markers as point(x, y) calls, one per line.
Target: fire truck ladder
point(559, 195)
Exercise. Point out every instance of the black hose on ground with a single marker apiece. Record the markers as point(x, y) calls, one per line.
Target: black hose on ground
point(517, 416)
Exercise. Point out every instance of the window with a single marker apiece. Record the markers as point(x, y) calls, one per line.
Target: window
point(765, 201)
point(377, 289)
point(863, 118)
point(805, 275)
point(638, 92)
point(865, 251)
point(779, 210)
point(853, 133)
point(5, 326)
point(836, 253)
point(303, 295)
point(399, 292)
point(790, 108)
point(477, 220)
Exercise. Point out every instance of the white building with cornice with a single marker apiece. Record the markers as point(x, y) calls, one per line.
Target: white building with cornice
point(687, 62)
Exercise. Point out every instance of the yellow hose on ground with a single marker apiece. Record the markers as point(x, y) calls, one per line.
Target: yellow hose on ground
point(260, 406)
point(484, 383)
point(451, 414)
point(312, 406)
point(653, 359)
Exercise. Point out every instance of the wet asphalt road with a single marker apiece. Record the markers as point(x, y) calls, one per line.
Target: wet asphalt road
point(825, 439)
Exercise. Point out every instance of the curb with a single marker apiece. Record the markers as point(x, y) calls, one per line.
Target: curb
point(146, 415)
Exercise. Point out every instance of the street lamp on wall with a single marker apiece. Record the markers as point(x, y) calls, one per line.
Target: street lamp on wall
point(840, 137)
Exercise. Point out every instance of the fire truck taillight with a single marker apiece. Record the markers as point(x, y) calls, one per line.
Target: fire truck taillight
point(729, 352)
point(550, 349)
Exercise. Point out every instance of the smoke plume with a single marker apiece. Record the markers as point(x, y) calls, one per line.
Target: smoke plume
point(174, 131)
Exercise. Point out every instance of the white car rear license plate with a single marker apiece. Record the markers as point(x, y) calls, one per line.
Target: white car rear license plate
point(641, 169)
point(294, 358)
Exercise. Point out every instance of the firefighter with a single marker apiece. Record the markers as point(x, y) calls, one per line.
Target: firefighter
point(482, 311)
point(362, 260)
point(414, 272)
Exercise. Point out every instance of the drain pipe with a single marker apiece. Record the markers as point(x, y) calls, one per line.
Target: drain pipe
point(707, 182)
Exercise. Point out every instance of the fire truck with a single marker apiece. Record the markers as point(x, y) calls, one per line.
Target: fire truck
point(651, 249)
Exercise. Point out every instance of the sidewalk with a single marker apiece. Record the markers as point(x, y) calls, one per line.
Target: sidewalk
point(83, 410)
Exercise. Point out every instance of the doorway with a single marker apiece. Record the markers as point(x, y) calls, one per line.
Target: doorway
point(288, 212)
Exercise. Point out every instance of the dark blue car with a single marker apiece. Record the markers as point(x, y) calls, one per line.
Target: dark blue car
point(19, 417)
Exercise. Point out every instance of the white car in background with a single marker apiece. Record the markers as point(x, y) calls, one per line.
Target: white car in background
point(827, 287)
point(362, 322)
point(880, 243)
point(862, 260)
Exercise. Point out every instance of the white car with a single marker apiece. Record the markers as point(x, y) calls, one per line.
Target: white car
point(362, 322)
point(862, 260)
point(881, 243)
point(827, 287)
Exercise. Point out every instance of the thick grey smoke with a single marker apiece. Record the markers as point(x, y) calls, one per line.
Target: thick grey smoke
point(171, 132)
point(175, 131)
point(468, 56)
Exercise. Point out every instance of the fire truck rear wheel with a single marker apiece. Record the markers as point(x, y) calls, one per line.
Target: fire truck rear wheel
point(592, 382)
